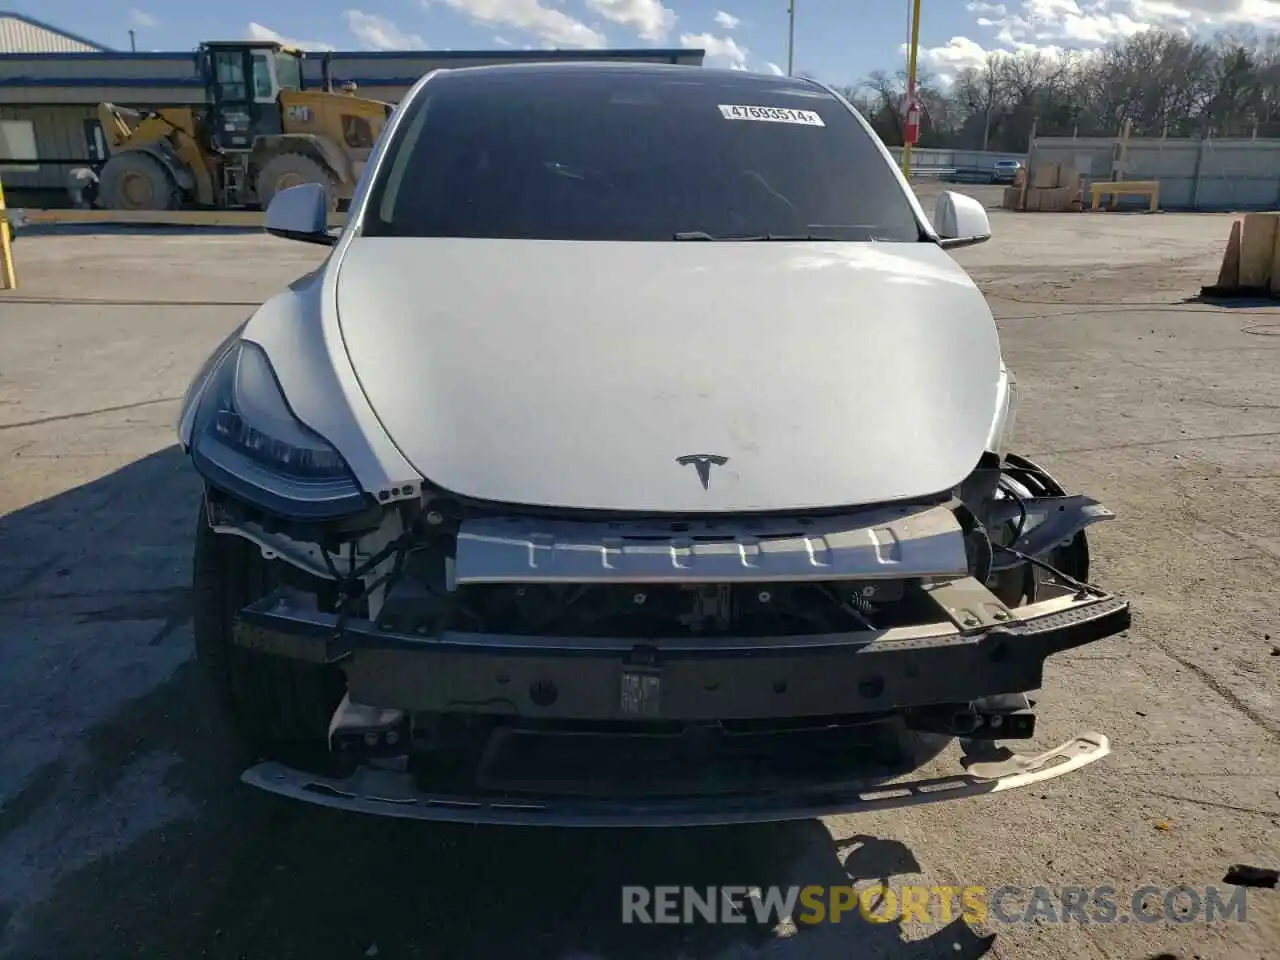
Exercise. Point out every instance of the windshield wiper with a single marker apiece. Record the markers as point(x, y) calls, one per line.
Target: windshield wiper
point(703, 235)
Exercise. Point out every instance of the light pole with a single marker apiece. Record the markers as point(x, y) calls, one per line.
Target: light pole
point(791, 36)
point(911, 83)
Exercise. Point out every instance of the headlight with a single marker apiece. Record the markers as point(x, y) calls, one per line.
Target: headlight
point(1006, 416)
point(247, 442)
point(206, 370)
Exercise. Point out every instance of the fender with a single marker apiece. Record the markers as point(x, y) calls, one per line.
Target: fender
point(169, 159)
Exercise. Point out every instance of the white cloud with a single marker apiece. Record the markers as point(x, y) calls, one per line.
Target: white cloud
point(141, 19)
point(1087, 24)
point(726, 20)
point(502, 42)
point(953, 57)
point(773, 68)
point(1048, 21)
point(721, 51)
point(1057, 26)
point(649, 18)
point(256, 31)
point(373, 32)
point(554, 28)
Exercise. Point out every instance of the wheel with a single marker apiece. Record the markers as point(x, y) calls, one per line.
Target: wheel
point(279, 707)
point(134, 180)
point(290, 169)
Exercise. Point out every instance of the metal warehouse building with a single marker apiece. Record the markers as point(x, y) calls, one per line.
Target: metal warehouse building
point(51, 82)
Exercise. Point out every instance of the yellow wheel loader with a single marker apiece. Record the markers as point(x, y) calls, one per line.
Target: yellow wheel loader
point(259, 131)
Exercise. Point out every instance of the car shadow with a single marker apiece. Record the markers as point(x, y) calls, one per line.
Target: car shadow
point(125, 832)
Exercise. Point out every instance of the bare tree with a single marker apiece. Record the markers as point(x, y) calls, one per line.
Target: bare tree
point(1163, 82)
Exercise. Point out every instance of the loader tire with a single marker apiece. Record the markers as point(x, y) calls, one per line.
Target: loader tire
point(280, 708)
point(137, 181)
point(289, 170)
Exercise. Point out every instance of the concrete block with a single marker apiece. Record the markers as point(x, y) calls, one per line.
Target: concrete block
point(1274, 279)
point(1045, 176)
point(1257, 249)
point(1056, 199)
point(1229, 272)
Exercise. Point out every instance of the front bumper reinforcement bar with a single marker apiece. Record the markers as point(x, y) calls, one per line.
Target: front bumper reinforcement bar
point(984, 650)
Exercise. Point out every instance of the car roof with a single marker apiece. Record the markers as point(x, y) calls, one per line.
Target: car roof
point(587, 70)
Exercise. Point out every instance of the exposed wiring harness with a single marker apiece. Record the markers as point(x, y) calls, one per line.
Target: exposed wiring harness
point(1082, 588)
point(351, 586)
point(1006, 485)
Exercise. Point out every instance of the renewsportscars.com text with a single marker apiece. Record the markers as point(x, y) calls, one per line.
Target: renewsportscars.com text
point(808, 905)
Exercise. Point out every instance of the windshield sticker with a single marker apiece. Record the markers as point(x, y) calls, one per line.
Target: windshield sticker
point(736, 111)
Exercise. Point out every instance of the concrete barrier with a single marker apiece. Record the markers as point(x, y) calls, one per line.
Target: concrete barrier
point(932, 173)
point(1251, 261)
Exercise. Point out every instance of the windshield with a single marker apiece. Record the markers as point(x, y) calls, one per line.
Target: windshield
point(634, 154)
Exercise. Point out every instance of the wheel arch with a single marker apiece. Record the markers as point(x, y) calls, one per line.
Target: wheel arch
point(178, 172)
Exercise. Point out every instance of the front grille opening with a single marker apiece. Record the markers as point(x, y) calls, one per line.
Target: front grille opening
point(648, 611)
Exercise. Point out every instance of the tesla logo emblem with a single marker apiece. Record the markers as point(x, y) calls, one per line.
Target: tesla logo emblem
point(702, 462)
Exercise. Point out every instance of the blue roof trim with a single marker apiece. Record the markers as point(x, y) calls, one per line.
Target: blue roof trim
point(32, 21)
point(627, 52)
point(19, 81)
point(184, 82)
point(104, 55)
point(341, 55)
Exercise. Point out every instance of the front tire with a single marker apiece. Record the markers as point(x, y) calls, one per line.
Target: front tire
point(290, 170)
point(279, 707)
point(134, 180)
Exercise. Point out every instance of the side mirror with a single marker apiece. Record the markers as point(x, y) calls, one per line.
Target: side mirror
point(960, 221)
point(301, 213)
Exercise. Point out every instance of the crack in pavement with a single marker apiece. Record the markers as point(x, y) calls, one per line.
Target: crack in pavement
point(1135, 444)
point(1213, 803)
point(87, 413)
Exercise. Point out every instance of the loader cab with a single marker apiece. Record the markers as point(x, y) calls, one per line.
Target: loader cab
point(243, 82)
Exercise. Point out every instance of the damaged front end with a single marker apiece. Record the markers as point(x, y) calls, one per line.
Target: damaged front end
point(512, 665)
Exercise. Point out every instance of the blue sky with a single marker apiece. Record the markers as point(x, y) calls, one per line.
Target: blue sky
point(837, 40)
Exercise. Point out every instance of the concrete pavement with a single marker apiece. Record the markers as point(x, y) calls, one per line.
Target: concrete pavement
point(123, 828)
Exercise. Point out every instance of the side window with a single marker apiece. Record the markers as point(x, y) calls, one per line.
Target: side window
point(263, 88)
point(288, 72)
point(18, 142)
point(95, 141)
point(228, 74)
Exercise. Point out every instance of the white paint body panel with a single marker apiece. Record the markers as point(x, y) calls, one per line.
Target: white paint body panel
point(573, 374)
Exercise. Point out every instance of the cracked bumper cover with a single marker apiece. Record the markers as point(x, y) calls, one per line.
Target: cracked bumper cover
point(393, 794)
point(690, 680)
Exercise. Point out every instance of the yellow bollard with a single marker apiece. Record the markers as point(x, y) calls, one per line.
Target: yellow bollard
point(8, 272)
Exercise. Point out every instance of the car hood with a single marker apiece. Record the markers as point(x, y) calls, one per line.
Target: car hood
point(585, 375)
